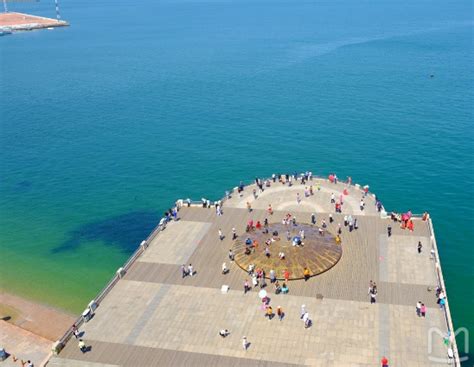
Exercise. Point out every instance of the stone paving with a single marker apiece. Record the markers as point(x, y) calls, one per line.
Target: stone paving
point(155, 317)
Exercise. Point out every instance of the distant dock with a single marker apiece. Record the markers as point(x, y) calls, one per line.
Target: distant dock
point(12, 22)
point(151, 314)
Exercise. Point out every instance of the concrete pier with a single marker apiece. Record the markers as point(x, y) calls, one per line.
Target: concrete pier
point(26, 22)
point(150, 315)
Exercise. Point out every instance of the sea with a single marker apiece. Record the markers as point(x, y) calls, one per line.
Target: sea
point(104, 124)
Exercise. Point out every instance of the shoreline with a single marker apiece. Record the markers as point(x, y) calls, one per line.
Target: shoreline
point(34, 316)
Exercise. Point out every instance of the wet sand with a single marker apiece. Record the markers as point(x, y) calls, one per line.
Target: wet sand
point(28, 329)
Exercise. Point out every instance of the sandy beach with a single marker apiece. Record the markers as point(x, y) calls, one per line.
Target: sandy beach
point(28, 329)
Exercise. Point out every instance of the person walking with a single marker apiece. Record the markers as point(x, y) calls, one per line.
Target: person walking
point(420, 246)
point(418, 308)
point(269, 313)
point(423, 310)
point(221, 235)
point(234, 234)
point(190, 270)
point(306, 274)
point(224, 333)
point(384, 361)
point(280, 313)
point(254, 280)
point(246, 286)
point(225, 270)
point(306, 320)
point(373, 293)
point(389, 230)
point(82, 346)
point(231, 255)
point(184, 272)
point(303, 311)
point(313, 219)
point(245, 342)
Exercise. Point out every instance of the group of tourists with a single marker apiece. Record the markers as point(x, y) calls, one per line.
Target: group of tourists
point(405, 219)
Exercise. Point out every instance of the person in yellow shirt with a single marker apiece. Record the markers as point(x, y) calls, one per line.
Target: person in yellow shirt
point(269, 312)
point(306, 274)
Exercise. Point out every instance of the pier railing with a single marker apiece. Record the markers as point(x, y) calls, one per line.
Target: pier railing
point(446, 311)
point(58, 345)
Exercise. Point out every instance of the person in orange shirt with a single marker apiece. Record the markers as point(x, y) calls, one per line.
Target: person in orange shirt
point(286, 275)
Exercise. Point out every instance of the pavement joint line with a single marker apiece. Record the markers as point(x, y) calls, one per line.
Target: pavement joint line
point(142, 321)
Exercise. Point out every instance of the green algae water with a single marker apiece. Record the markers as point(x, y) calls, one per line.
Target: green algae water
point(105, 123)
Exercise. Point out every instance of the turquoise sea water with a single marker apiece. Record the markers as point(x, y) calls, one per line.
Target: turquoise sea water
point(105, 123)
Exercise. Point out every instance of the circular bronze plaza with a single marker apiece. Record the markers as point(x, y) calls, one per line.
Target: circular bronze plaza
point(303, 246)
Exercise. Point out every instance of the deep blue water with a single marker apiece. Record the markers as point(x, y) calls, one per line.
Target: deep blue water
point(106, 122)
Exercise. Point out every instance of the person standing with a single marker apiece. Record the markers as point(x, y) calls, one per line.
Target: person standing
point(389, 230)
point(190, 270)
point(272, 276)
point(420, 246)
point(225, 270)
point(313, 219)
point(231, 255)
point(418, 308)
point(221, 235)
point(270, 209)
point(234, 234)
point(384, 361)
